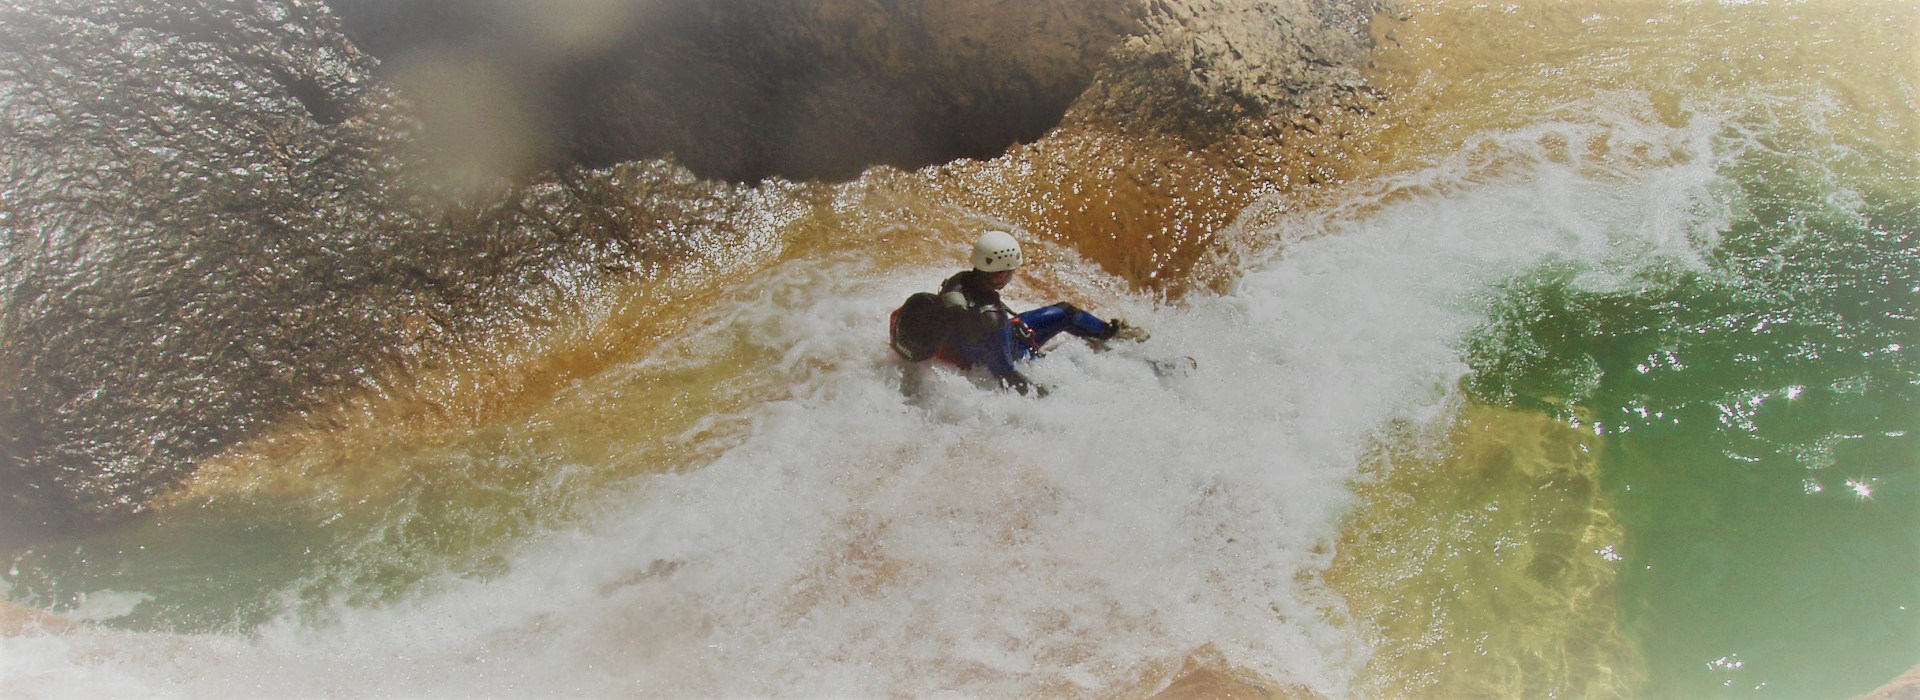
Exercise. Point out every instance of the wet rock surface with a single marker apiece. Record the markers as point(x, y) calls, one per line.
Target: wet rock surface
point(218, 215)
point(1906, 687)
point(187, 195)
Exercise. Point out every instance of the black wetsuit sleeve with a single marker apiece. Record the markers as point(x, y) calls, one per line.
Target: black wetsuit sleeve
point(978, 318)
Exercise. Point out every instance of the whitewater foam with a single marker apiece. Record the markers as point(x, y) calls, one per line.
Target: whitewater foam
point(877, 529)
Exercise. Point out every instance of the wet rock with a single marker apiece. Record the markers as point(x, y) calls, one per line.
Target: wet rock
point(1906, 687)
point(218, 215)
point(1203, 67)
point(209, 223)
point(1206, 678)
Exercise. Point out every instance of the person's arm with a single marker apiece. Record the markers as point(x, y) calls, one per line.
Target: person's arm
point(1000, 361)
point(953, 292)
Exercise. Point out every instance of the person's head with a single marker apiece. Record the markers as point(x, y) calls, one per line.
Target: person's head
point(998, 253)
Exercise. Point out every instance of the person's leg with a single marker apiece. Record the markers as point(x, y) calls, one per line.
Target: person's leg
point(1049, 321)
point(996, 350)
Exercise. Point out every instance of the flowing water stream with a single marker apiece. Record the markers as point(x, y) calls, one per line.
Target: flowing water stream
point(1597, 374)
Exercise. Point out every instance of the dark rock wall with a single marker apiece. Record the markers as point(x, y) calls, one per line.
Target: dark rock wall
point(747, 89)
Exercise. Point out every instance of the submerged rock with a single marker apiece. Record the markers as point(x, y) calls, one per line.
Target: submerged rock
point(1906, 687)
point(1501, 508)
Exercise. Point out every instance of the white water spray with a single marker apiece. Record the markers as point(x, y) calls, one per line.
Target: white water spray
point(875, 530)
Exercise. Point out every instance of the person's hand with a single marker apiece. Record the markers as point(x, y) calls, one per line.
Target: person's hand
point(1024, 386)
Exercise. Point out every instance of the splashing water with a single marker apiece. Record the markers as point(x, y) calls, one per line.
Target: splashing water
point(1539, 415)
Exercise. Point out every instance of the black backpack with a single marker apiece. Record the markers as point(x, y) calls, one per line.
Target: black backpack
point(919, 326)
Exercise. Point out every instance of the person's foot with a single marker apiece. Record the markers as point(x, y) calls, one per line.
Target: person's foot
point(1127, 331)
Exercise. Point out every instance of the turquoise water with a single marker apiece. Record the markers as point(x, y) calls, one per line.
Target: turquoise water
point(1761, 420)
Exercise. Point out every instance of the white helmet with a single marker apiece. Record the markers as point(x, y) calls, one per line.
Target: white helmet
point(996, 251)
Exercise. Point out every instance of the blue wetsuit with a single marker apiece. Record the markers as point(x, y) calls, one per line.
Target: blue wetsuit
point(992, 336)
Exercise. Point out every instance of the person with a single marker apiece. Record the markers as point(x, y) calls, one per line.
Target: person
point(985, 333)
